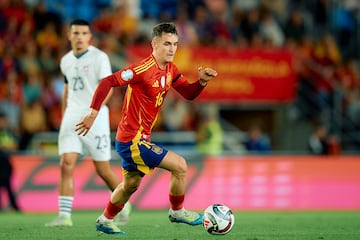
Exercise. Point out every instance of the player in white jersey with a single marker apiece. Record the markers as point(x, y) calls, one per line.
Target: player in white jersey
point(83, 67)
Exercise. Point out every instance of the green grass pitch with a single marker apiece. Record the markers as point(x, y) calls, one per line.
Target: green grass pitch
point(146, 224)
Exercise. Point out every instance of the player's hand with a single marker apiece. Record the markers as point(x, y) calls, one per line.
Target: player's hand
point(205, 74)
point(83, 127)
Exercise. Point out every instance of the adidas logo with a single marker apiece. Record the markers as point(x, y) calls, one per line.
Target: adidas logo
point(156, 84)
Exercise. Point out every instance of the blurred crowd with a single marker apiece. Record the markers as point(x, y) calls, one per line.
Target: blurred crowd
point(323, 36)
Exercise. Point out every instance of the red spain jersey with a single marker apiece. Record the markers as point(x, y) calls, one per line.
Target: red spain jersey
point(147, 86)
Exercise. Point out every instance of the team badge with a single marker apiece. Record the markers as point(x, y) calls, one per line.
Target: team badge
point(127, 75)
point(86, 68)
point(156, 149)
point(168, 78)
point(162, 81)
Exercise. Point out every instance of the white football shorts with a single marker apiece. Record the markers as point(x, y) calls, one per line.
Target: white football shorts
point(96, 143)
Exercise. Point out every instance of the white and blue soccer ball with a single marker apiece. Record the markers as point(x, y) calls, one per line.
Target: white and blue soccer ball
point(218, 219)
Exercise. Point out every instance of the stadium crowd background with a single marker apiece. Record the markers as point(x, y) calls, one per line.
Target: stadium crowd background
point(323, 35)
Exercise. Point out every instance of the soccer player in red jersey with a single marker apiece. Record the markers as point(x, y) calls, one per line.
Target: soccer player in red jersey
point(148, 82)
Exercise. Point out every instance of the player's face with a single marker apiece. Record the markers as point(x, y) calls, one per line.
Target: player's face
point(165, 47)
point(79, 37)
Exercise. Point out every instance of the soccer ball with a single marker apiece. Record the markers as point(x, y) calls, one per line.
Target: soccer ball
point(218, 219)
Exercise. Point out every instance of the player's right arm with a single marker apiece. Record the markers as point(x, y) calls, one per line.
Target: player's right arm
point(65, 92)
point(83, 127)
point(101, 93)
point(64, 97)
point(120, 78)
point(104, 70)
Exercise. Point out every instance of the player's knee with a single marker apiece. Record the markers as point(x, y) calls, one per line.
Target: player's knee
point(130, 188)
point(131, 185)
point(67, 167)
point(181, 168)
point(67, 163)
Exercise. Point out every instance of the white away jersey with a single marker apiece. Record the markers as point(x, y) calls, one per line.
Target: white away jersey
point(83, 74)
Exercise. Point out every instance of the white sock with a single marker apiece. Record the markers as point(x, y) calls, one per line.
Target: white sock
point(65, 205)
point(180, 211)
point(104, 219)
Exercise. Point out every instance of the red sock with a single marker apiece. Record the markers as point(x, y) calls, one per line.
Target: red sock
point(111, 210)
point(176, 202)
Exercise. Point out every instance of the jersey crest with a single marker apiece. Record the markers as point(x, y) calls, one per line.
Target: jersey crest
point(168, 78)
point(86, 68)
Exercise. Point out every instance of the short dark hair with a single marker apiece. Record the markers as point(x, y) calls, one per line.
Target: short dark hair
point(161, 28)
point(80, 22)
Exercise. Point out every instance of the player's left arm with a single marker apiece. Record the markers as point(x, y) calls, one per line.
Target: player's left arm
point(191, 90)
point(205, 75)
